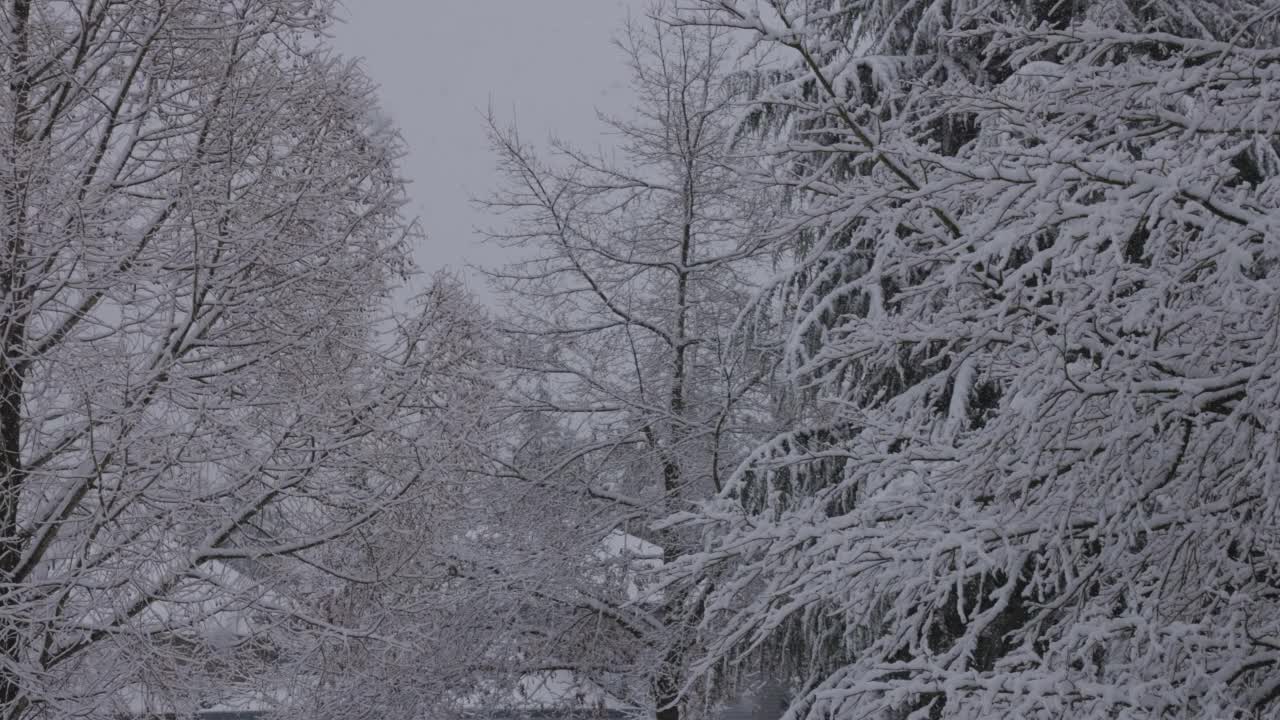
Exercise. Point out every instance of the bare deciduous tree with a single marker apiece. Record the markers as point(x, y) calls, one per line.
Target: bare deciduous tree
point(199, 227)
point(619, 324)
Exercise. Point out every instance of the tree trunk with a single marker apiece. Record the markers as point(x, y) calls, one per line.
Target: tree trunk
point(13, 320)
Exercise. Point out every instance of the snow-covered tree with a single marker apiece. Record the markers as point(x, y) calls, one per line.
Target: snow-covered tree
point(199, 228)
point(389, 605)
point(629, 400)
point(1033, 321)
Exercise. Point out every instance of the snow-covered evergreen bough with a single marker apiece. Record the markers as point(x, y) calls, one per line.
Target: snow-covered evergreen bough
point(1034, 316)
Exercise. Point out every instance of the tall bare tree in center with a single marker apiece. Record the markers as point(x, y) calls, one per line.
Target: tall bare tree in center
point(633, 275)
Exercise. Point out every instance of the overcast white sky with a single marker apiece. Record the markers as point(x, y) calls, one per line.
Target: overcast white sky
point(547, 64)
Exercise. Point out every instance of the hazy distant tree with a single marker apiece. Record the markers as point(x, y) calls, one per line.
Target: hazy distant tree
point(1033, 318)
point(198, 229)
point(394, 610)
